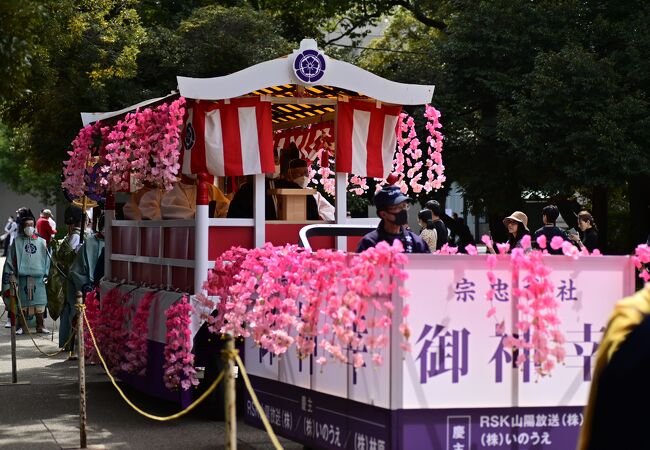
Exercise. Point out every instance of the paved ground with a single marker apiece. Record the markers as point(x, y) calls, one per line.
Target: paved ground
point(43, 414)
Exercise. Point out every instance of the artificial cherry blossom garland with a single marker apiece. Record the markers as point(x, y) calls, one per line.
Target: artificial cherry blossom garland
point(179, 360)
point(537, 330)
point(538, 334)
point(642, 257)
point(119, 153)
point(107, 320)
point(285, 296)
point(144, 144)
point(135, 357)
point(80, 172)
point(409, 154)
point(112, 329)
point(93, 315)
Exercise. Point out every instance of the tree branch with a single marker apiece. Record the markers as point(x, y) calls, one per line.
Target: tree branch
point(420, 15)
point(362, 21)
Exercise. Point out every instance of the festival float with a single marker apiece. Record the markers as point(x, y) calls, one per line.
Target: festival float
point(375, 350)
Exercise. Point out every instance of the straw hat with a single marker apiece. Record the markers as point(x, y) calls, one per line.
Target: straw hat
point(518, 216)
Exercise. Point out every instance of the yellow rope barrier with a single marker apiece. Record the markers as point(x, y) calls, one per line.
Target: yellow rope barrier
point(179, 414)
point(256, 402)
point(29, 333)
point(229, 354)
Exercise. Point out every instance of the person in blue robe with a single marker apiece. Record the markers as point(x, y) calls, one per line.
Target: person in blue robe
point(28, 263)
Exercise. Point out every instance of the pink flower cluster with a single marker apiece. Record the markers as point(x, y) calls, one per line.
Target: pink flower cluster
point(80, 170)
point(536, 331)
point(109, 325)
point(286, 296)
point(93, 316)
point(179, 360)
point(326, 179)
point(642, 257)
point(135, 357)
point(145, 145)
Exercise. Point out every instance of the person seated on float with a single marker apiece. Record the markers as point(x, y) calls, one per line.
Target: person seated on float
point(180, 202)
point(299, 174)
point(392, 207)
point(242, 205)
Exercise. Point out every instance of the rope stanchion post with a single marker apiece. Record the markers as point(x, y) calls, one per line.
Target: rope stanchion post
point(82, 370)
point(12, 318)
point(230, 394)
point(12, 315)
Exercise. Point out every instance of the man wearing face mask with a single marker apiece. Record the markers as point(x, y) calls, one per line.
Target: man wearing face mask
point(29, 263)
point(242, 204)
point(392, 207)
point(319, 208)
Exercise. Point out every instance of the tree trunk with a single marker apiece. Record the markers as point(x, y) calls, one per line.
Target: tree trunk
point(600, 209)
point(569, 210)
point(639, 199)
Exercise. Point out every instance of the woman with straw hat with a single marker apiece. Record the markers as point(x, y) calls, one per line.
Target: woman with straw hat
point(517, 225)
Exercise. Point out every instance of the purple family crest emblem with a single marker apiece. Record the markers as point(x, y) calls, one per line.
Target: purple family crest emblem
point(309, 66)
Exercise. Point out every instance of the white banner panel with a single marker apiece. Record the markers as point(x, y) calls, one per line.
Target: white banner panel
point(370, 384)
point(458, 359)
point(586, 290)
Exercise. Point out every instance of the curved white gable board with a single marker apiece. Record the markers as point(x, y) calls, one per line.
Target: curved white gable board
point(91, 117)
point(348, 76)
point(269, 73)
point(278, 72)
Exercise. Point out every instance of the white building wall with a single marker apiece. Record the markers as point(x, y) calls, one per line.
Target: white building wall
point(11, 201)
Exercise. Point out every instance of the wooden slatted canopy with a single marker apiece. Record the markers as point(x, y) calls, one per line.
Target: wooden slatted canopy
point(300, 111)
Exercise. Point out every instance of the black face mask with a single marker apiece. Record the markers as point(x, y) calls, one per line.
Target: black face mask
point(401, 218)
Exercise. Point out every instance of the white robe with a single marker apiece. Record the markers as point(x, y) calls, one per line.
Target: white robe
point(325, 209)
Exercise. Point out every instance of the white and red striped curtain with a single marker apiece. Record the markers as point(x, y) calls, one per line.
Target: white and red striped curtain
point(228, 139)
point(366, 138)
point(309, 140)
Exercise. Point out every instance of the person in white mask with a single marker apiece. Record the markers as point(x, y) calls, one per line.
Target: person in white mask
point(298, 173)
point(243, 202)
point(28, 263)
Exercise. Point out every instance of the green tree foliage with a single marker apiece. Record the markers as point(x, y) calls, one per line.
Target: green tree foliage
point(216, 41)
point(536, 96)
point(82, 48)
point(581, 121)
point(19, 19)
point(98, 56)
